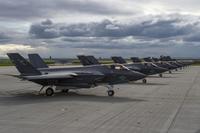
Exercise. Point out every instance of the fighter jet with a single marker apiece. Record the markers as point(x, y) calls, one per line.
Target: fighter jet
point(148, 65)
point(138, 65)
point(172, 61)
point(163, 64)
point(91, 60)
point(73, 77)
point(37, 61)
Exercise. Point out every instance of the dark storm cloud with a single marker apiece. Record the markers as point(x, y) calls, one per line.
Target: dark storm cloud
point(108, 43)
point(159, 29)
point(153, 33)
point(154, 28)
point(4, 38)
point(44, 30)
point(193, 37)
point(31, 9)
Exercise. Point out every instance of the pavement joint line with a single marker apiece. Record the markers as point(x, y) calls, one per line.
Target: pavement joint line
point(173, 117)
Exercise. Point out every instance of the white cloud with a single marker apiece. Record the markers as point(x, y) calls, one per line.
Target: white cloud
point(24, 49)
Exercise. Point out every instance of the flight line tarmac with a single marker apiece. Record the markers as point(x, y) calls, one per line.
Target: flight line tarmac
point(164, 105)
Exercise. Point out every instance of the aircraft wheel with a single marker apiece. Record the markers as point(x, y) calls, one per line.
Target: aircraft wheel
point(144, 81)
point(111, 93)
point(65, 90)
point(49, 91)
point(176, 69)
point(160, 75)
point(170, 71)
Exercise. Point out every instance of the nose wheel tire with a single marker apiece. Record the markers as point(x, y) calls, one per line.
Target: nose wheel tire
point(144, 81)
point(160, 75)
point(49, 91)
point(111, 93)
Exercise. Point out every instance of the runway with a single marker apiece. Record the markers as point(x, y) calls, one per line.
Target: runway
point(164, 105)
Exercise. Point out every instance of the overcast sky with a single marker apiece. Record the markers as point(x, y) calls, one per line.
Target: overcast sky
point(65, 28)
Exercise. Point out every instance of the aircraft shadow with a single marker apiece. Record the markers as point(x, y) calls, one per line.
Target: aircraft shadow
point(176, 73)
point(32, 98)
point(137, 83)
point(164, 76)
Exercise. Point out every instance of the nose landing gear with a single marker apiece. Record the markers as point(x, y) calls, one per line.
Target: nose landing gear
point(144, 81)
point(111, 93)
point(110, 90)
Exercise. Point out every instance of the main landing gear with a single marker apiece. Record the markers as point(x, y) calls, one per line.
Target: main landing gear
point(170, 71)
point(161, 75)
point(49, 91)
point(111, 93)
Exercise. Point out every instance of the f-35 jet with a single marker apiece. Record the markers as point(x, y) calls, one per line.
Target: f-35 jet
point(174, 62)
point(159, 63)
point(73, 77)
point(138, 65)
point(145, 69)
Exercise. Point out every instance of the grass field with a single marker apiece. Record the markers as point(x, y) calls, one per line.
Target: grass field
point(196, 63)
point(7, 62)
point(102, 61)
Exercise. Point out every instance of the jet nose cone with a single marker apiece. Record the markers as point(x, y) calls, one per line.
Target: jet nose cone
point(137, 76)
point(141, 75)
point(175, 67)
point(162, 70)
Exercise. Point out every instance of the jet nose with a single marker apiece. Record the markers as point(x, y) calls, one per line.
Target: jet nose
point(136, 76)
point(175, 67)
point(171, 66)
point(162, 70)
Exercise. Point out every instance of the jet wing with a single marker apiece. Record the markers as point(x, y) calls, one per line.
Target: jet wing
point(51, 76)
point(63, 75)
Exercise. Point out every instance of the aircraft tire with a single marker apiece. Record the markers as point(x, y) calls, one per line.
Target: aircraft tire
point(111, 93)
point(144, 81)
point(170, 71)
point(49, 91)
point(160, 75)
